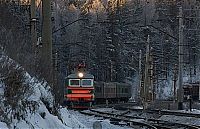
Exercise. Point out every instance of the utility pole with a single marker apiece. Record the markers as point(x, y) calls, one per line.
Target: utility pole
point(175, 79)
point(33, 24)
point(140, 76)
point(180, 69)
point(146, 76)
point(33, 31)
point(151, 77)
point(46, 50)
point(111, 71)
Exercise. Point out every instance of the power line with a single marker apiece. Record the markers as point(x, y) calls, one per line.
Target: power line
point(68, 25)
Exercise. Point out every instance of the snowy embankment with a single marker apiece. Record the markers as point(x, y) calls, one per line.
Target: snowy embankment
point(39, 103)
point(47, 120)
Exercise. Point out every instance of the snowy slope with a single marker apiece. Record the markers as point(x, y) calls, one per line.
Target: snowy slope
point(41, 117)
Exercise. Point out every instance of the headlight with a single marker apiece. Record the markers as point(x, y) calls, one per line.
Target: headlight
point(80, 75)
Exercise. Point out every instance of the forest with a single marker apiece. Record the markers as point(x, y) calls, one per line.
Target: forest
point(108, 37)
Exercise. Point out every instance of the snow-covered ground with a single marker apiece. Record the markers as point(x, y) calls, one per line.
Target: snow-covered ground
point(88, 121)
point(179, 119)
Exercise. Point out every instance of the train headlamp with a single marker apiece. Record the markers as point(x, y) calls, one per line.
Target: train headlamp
point(80, 75)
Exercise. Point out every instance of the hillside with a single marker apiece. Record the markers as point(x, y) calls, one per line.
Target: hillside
point(30, 104)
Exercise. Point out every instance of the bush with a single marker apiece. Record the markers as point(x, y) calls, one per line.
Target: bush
point(16, 89)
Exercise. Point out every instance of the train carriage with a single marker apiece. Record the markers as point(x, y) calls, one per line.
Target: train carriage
point(112, 91)
point(123, 91)
point(99, 90)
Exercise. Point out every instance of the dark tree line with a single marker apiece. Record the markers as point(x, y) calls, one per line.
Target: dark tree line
point(15, 33)
point(114, 36)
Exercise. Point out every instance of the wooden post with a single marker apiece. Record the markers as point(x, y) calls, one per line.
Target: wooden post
point(175, 79)
point(151, 85)
point(146, 76)
point(180, 70)
point(46, 52)
point(33, 33)
point(33, 24)
point(140, 76)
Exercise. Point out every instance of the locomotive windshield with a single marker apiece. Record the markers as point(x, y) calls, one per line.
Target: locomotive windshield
point(74, 82)
point(87, 82)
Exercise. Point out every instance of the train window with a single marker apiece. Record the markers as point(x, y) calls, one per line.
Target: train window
point(87, 82)
point(98, 89)
point(74, 82)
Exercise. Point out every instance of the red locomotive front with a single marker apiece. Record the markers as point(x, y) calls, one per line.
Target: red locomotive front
point(79, 90)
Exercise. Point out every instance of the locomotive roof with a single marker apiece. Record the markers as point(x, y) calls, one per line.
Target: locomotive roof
point(75, 75)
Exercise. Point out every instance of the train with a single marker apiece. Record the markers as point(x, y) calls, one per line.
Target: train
point(82, 91)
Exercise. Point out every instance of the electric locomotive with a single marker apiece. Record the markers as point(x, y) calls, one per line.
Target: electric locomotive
point(79, 90)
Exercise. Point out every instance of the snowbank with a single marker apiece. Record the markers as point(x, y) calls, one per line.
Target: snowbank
point(3, 125)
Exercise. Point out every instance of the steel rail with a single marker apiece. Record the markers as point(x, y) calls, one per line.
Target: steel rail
point(156, 122)
point(119, 118)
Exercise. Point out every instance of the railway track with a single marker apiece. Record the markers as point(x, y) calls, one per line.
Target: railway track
point(165, 112)
point(110, 105)
point(119, 117)
point(139, 121)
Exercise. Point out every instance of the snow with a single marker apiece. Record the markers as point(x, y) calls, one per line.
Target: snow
point(70, 120)
point(41, 118)
point(49, 121)
point(193, 111)
point(137, 107)
point(179, 119)
point(3, 125)
point(37, 122)
point(88, 121)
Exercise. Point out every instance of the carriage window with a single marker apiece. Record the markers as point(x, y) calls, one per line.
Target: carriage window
point(74, 82)
point(87, 82)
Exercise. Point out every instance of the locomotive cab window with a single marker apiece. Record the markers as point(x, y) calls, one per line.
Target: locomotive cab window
point(74, 82)
point(87, 82)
